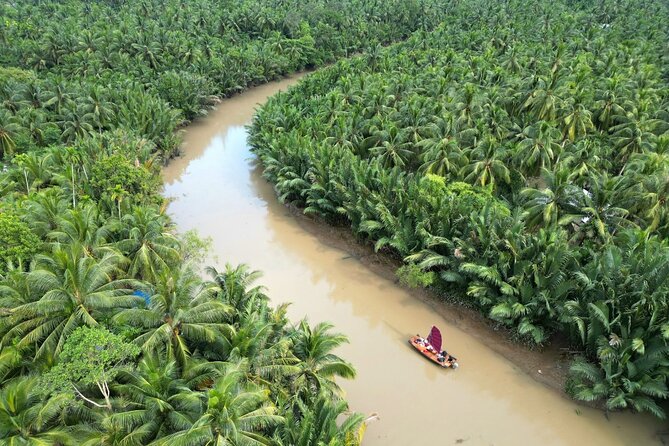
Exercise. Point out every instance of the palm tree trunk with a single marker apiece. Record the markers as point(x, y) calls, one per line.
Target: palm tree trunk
point(25, 175)
point(74, 199)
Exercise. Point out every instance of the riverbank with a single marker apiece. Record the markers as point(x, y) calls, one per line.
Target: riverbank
point(218, 190)
point(548, 366)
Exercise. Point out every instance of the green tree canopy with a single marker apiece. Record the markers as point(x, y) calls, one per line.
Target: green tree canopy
point(17, 242)
point(91, 359)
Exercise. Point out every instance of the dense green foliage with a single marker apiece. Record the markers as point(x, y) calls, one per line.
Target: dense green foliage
point(111, 315)
point(91, 94)
point(90, 356)
point(520, 153)
point(79, 67)
point(17, 242)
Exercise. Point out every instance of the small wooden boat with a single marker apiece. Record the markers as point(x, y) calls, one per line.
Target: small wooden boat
point(430, 347)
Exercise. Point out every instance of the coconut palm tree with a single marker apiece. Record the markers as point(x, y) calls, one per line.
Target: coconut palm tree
point(654, 198)
point(59, 95)
point(235, 288)
point(35, 123)
point(468, 105)
point(318, 365)
point(609, 105)
point(74, 123)
point(147, 243)
point(559, 202)
point(158, 400)
point(237, 414)
point(545, 99)
point(71, 161)
point(45, 210)
point(441, 155)
point(84, 227)
point(27, 419)
point(577, 120)
point(34, 171)
point(538, 148)
point(606, 204)
point(98, 110)
point(317, 424)
point(486, 164)
point(633, 135)
point(74, 290)
point(9, 129)
point(181, 315)
point(392, 148)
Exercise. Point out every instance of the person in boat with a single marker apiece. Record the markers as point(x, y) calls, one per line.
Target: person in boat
point(443, 356)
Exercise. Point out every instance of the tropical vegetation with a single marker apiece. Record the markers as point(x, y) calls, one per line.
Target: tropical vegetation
point(73, 69)
point(517, 159)
point(111, 333)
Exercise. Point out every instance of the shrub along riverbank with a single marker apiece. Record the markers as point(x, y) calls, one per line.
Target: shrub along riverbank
point(518, 162)
point(108, 334)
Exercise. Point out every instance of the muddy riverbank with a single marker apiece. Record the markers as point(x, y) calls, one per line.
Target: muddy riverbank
point(548, 366)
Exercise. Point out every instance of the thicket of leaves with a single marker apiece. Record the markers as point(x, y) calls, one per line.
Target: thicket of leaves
point(519, 156)
point(80, 67)
point(109, 334)
point(90, 96)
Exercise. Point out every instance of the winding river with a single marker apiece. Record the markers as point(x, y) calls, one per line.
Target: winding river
point(218, 190)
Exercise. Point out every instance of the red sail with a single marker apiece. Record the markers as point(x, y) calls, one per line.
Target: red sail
point(435, 338)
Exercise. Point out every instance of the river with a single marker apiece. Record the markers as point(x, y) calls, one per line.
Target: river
point(217, 189)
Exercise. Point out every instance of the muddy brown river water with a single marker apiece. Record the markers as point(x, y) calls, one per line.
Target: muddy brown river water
point(218, 190)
